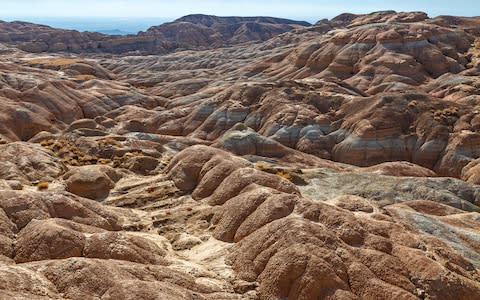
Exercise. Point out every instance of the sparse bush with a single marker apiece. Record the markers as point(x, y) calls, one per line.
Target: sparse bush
point(84, 77)
point(69, 152)
point(412, 104)
point(42, 185)
point(284, 174)
point(110, 141)
point(104, 161)
point(262, 165)
point(46, 143)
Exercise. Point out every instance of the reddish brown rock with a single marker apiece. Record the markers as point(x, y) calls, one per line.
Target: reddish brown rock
point(185, 169)
point(83, 123)
point(81, 277)
point(6, 247)
point(49, 239)
point(249, 211)
point(18, 281)
point(471, 172)
point(7, 227)
point(141, 164)
point(401, 168)
point(117, 245)
point(353, 203)
point(22, 207)
point(228, 189)
point(288, 248)
point(460, 151)
point(34, 163)
point(93, 182)
point(148, 290)
point(242, 178)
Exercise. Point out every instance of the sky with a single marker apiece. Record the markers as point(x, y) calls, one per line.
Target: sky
point(306, 9)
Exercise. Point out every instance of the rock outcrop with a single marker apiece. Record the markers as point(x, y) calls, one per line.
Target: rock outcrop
point(212, 31)
point(28, 163)
point(93, 182)
point(288, 243)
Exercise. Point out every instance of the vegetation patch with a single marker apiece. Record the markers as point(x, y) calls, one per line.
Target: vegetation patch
point(42, 185)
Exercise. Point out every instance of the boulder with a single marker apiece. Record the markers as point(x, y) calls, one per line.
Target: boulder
point(93, 182)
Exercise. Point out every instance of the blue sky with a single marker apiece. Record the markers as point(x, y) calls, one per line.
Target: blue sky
point(299, 9)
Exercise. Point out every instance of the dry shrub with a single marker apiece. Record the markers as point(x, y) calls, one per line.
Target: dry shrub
point(42, 185)
point(284, 174)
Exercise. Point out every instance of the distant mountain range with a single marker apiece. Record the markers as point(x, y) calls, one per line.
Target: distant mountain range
point(191, 32)
point(106, 25)
point(112, 31)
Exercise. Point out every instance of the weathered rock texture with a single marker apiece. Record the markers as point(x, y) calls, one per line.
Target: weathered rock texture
point(354, 248)
point(187, 32)
point(245, 158)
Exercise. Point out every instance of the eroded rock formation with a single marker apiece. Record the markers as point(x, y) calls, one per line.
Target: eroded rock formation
point(248, 158)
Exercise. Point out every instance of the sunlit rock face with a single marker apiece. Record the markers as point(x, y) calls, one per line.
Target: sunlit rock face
point(242, 158)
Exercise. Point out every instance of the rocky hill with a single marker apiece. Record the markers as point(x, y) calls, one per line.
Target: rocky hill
point(185, 33)
point(334, 161)
point(211, 31)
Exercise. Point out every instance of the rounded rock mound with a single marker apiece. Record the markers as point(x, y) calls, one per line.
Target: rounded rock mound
point(93, 181)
